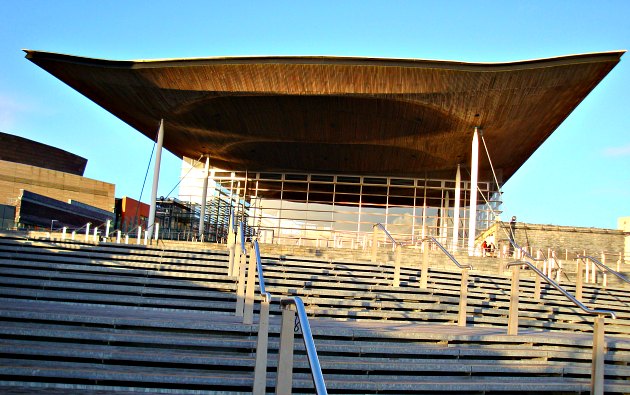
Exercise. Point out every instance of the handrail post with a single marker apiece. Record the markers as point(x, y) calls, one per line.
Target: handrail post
point(231, 244)
point(242, 263)
point(284, 379)
point(248, 313)
point(397, 261)
point(514, 293)
point(558, 266)
point(599, 351)
point(424, 274)
point(240, 285)
point(87, 231)
point(586, 269)
point(374, 243)
point(238, 251)
point(63, 233)
point(537, 280)
point(262, 344)
point(579, 280)
point(463, 296)
point(604, 273)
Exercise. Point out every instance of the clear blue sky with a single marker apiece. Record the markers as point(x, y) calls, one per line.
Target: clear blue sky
point(580, 176)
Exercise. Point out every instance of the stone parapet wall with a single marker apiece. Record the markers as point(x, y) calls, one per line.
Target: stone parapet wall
point(566, 241)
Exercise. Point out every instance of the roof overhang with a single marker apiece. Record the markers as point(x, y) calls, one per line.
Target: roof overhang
point(395, 117)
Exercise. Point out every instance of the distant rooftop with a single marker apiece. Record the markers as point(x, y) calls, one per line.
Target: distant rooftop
point(21, 150)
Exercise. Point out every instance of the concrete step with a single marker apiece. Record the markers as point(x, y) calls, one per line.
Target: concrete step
point(53, 388)
point(157, 279)
point(127, 319)
point(116, 375)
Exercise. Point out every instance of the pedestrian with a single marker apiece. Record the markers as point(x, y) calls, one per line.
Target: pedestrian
point(512, 234)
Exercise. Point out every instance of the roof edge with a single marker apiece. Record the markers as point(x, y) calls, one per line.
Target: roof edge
point(607, 56)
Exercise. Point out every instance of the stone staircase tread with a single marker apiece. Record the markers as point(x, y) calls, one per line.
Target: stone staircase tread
point(125, 373)
point(447, 383)
point(450, 333)
point(98, 335)
point(7, 285)
point(87, 258)
point(118, 315)
point(131, 355)
point(73, 264)
point(127, 249)
point(52, 388)
point(118, 299)
point(219, 282)
point(541, 313)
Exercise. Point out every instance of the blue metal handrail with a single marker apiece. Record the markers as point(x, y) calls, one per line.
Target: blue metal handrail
point(307, 335)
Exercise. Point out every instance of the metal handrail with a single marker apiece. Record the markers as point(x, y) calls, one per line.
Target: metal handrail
point(389, 236)
point(448, 254)
point(309, 343)
point(524, 251)
point(307, 335)
point(452, 258)
point(604, 267)
point(563, 291)
point(261, 277)
point(242, 227)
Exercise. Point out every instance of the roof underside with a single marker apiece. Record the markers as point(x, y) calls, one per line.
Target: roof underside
point(404, 118)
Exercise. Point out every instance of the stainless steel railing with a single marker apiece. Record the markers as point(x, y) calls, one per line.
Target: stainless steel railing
point(424, 273)
point(562, 290)
point(284, 379)
point(448, 254)
point(604, 267)
point(389, 236)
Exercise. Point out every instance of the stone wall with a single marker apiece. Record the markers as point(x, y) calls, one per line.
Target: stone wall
point(564, 240)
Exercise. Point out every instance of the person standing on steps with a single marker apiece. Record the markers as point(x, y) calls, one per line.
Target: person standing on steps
point(512, 234)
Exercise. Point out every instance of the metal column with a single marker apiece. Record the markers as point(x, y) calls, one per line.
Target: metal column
point(458, 181)
point(156, 177)
point(204, 196)
point(474, 172)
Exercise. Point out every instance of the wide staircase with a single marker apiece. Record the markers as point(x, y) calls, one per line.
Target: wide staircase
point(111, 318)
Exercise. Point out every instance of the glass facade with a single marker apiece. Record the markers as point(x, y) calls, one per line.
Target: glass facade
point(340, 210)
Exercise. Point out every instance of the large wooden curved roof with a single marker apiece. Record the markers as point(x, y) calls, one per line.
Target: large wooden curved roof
point(397, 117)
